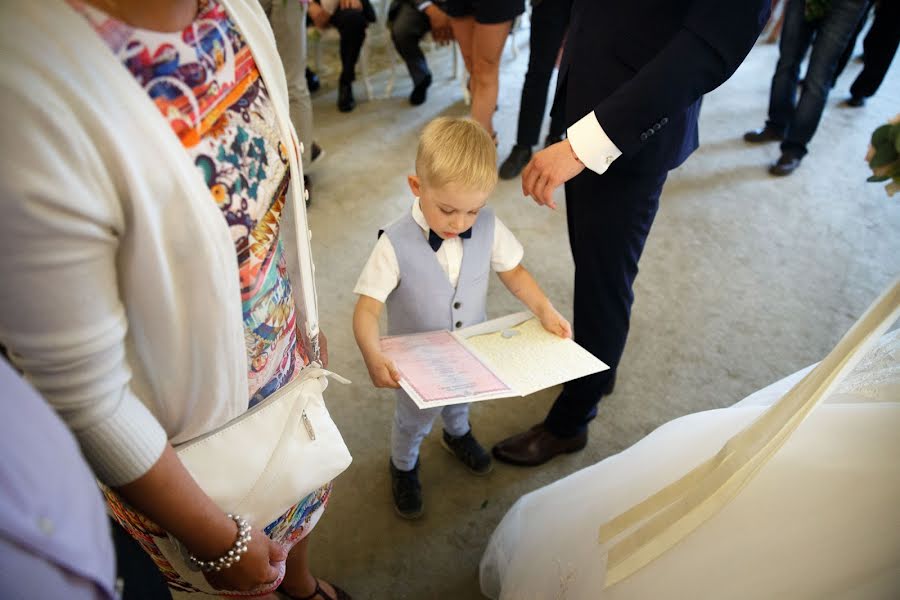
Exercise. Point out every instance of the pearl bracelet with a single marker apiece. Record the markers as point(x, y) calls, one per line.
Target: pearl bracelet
point(230, 557)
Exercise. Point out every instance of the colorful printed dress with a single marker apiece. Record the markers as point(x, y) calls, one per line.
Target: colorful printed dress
point(206, 84)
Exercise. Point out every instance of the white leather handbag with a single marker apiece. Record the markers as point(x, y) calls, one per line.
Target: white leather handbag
point(269, 458)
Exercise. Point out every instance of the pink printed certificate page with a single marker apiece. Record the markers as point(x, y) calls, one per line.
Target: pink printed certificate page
point(436, 370)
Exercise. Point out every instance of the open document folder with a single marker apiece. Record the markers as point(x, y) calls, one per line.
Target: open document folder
point(509, 356)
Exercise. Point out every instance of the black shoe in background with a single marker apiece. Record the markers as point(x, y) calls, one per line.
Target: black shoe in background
point(855, 101)
point(312, 81)
point(407, 491)
point(766, 134)
point(785, 165)
point(315, 153)
point(346, 102)
point(420, 91)
point(513, 165)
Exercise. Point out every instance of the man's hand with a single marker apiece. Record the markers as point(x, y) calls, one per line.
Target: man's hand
point(441, 30)
point(382, 371)
point(320, 17)
point(547, 170)
point(554, 322)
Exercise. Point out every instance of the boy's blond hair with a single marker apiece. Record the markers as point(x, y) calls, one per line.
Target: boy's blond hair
point(458, 151)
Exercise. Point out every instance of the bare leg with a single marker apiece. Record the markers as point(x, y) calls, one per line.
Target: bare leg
point(464, 31)
point(487, 48)
point(298, 580)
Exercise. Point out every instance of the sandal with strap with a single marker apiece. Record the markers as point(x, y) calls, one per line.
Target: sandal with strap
point(320, 593)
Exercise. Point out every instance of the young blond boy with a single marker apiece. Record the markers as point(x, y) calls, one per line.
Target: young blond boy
point(430, 267)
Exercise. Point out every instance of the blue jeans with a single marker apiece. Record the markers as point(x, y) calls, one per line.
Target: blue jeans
point(828, 37)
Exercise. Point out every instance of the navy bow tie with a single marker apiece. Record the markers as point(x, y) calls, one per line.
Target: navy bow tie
point(435, 241)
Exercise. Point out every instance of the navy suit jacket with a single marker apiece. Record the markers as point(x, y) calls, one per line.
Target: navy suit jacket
point(642, 67)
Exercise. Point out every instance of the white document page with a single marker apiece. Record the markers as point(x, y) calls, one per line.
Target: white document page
point(526, 356)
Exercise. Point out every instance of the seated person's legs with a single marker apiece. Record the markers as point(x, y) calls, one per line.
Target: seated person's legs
point(351, 24)
point(408, 26)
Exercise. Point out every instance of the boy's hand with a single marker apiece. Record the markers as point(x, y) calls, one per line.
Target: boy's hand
point(554, 322)
point(382, 371)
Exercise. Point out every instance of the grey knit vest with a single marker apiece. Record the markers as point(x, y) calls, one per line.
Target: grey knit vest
point(424, 300)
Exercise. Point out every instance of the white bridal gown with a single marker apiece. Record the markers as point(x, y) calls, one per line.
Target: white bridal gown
point(820, 520)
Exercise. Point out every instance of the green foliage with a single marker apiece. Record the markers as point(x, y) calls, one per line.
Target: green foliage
point(884, 155)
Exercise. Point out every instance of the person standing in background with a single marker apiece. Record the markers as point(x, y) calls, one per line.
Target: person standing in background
point(288, 21)
point(879, 48)
point(827, 26)
point(549, 21)
point(481, 28)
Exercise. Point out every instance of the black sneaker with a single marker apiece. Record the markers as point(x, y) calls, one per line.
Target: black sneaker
point(345, 102)
point(407, 492)
point(517, 160)
point(470, 453)
point(420, 91)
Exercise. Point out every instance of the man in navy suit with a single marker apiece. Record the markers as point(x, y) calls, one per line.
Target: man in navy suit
point(630, 85)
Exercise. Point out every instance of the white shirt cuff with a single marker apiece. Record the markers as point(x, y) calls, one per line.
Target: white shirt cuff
point(591, 144)
point(423, 5)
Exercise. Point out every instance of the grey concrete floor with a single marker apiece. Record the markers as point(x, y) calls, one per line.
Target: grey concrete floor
point(745, 278)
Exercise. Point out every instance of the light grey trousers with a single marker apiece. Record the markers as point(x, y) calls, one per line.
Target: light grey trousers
point(288, 21)
point(412, 424)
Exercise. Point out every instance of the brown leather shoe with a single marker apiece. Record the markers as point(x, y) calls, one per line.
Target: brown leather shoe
point(536, 446)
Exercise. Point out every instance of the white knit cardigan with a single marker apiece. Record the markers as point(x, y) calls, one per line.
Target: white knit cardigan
point(120, 293)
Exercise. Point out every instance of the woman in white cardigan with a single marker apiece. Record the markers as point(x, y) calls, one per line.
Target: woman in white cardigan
point(149, 230)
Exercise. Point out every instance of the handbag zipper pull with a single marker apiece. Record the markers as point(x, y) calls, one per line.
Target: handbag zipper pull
point(308, 425)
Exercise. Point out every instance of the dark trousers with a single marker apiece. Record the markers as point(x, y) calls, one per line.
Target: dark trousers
point(408, 26)
point(549, 21)
point(851, 45)
point(879, 48)
point(351, 25)
point(829, 36)
point(609, 217)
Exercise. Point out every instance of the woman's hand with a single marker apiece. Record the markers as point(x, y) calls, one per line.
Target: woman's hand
point(257, 567)
point(382, 371)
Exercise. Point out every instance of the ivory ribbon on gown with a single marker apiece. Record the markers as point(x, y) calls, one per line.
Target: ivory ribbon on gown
point(779, 510)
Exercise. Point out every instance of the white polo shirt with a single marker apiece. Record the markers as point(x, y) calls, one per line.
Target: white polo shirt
point(382, 271)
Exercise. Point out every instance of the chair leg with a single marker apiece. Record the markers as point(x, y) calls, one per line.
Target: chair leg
point(392, 78)
point(364, 59)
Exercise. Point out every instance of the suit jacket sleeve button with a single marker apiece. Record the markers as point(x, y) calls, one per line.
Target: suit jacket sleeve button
point(644, 137)
point(664, 120)
point(457, 304)
point(458, 324)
